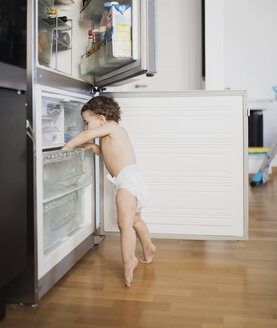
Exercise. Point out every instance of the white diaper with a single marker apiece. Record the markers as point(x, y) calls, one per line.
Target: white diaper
point(129, 178)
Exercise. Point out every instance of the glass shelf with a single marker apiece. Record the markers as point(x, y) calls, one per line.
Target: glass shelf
point(58, 23)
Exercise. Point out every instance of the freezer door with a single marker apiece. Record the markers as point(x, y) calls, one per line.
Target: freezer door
point(144, 46)
point(192, 152)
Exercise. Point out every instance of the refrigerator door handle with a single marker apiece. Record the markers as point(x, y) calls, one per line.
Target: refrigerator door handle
point(29, 131)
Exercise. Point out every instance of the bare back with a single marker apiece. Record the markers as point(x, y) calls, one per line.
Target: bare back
point(117, 149)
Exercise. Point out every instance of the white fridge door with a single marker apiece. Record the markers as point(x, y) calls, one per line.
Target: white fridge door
point(191, 148)
point(144, 45)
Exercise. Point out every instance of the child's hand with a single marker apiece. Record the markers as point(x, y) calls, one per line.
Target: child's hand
point(94, 148)
point(66, 148)
point(87, 146)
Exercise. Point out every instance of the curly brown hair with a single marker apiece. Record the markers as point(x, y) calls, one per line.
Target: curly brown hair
point(106, 106)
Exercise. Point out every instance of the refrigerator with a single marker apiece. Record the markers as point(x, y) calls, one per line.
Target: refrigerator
point(191, 146)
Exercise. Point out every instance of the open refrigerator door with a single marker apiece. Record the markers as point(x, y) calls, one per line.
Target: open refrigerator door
point(98, 42)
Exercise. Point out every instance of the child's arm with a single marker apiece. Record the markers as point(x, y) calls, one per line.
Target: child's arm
point(86, 136)
point(94, 148)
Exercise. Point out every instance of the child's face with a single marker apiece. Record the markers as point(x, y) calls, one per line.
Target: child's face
point(91, 120)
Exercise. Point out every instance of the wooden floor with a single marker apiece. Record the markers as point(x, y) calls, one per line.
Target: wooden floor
point(194, 284)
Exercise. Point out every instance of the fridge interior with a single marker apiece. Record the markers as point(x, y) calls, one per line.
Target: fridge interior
point(61, 121)
point(63, 40)
point(65, 178)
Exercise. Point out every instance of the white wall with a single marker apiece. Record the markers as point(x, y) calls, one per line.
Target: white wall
point(250, 55)
point(248, 51)
point(214, 44)
point(250, 47)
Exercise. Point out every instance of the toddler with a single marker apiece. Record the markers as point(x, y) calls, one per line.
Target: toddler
point(101, 115)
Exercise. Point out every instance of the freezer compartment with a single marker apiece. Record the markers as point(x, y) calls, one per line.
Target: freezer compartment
point(52, 123)
point(61, 121)
point(104, 61)
point(66, 171)
point(61, 218)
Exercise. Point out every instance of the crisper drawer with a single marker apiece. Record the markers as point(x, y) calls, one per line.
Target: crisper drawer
point(66, 171)
point(61, 218)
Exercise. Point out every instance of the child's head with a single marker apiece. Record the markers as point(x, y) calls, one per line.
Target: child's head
point(98, 109)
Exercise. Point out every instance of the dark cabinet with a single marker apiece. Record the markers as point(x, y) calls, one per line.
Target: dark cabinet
point(13, 180)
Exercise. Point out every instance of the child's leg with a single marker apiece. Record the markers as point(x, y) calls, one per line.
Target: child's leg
point(143, 233)
point(126, 209)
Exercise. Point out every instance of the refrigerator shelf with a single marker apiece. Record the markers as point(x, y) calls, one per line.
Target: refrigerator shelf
point(50, 199)
point(70, 179)
point(62, 199)
point(58, 23)
point(47, 148)
point(62, 155)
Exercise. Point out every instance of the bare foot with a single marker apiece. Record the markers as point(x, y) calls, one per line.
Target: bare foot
point(148, 254)
point(128, 272)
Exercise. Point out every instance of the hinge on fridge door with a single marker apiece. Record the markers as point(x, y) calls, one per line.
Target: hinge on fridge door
point(29, 130)
point(97, 90)
point(30, 134)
